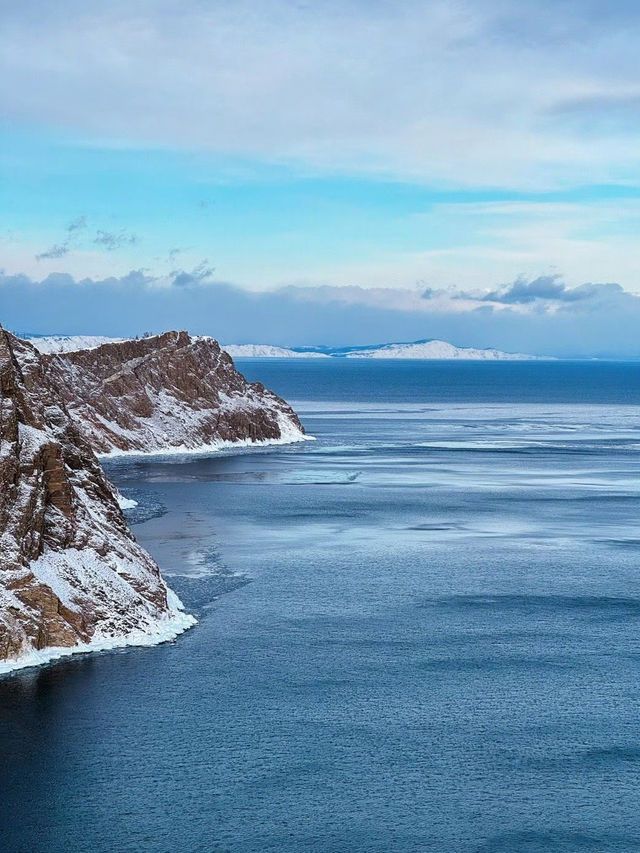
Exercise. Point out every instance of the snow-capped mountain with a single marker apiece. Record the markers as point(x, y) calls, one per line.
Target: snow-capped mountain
point(432, 349)
point(426, 349)
point(267, 351)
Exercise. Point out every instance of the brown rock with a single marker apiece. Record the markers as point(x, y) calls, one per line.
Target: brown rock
point(70, 569)
point(166, 391)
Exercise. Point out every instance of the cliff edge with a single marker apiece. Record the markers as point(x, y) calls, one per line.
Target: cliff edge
point(72, 576)
point(169, 392)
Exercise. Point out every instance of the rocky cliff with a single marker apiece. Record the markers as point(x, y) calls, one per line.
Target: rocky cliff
point(71, 574)
point(167, 392)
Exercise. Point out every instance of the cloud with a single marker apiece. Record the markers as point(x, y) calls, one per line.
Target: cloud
point(523, 292)
point(548, 288)
point(200, 273)
point(108, 240)
point(59, 250)
point(605, 323)
point(77, 224)
point(112, 240)
point(473, 91)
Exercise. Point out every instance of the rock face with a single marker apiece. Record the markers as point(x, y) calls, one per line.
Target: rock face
point(166, 392)
point(71, 572)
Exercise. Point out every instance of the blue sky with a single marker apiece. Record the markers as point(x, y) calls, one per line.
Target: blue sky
point(353, 154)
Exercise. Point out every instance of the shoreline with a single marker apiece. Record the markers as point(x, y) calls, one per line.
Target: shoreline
point(164, 631)
point(207, 449)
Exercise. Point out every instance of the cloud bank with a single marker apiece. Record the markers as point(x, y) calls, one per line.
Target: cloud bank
point(539, 316)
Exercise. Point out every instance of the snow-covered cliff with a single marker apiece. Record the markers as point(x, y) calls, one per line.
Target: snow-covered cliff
point(72, 343)
point(167, 393)
point(69, 343)
point(72, 576)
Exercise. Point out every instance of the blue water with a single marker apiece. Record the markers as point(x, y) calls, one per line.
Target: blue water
point(389, 381)
point(420, 632)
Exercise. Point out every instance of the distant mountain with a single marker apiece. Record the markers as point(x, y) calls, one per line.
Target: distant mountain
point(423, 349)
point(267, 351)
point(431, 349)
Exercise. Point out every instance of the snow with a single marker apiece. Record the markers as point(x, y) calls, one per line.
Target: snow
point(75, 574)
point(125, 503)
point(435, 350)
point(73, 343)
point(160, 631)
point(70, 343)
point(175, 429)
point(268, 351)
point(102, 571)
point(31, 438)
point(290, 434)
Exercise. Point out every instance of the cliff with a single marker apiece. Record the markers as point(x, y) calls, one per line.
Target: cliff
point(71, 574)
point(167, 392)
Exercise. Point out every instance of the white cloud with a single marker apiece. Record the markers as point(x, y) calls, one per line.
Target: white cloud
point(471, 92)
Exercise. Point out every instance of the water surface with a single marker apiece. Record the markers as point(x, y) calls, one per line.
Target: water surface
point(419, 633)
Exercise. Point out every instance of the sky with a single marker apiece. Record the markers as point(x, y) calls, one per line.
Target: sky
point(290, 172)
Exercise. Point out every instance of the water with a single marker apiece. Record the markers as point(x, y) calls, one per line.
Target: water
point(419, 633)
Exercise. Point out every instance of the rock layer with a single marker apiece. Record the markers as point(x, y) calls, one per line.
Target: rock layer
point(166, 392)
point(71, 572)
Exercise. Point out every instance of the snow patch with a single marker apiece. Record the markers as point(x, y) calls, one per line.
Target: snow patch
point(268, 351)
point(162, 631)
point(435, 350)
point(125, 503)
point(70, 343)
point(289, 434)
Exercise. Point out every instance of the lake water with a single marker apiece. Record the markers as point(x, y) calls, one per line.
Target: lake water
point(420, 632)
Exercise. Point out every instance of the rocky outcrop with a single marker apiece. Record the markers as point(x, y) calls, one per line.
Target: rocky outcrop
point(71, 573)
point(166, 392)
point(72, 576)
